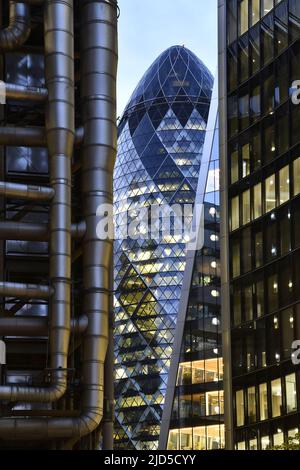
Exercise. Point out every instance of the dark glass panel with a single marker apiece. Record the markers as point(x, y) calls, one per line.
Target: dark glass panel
point(267, 34)
point(254, 45)
point(294, 19)
point(281, 27)
point(243, 58)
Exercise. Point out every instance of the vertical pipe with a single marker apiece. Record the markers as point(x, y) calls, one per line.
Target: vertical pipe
point(60, 135)
point(98, 94)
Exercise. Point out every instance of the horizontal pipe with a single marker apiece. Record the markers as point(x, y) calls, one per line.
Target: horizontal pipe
point(20, 92)
point(24, 291)
point(36, 326)
point(30, 136)
point(25, 191)
point(10, 230)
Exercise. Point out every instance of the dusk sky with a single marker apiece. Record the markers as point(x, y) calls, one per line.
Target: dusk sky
point(148, 27)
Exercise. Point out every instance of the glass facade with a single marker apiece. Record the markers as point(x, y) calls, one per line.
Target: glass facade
point(160, 144)
point(263, 148)
point(196, 421)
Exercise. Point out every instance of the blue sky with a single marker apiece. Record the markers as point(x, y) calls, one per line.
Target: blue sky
point(148, 27)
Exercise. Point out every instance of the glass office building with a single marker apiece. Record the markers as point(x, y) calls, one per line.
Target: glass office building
point(260, 167)
point(160, 146)
point(193, 414)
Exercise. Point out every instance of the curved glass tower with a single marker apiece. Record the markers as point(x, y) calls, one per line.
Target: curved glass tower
point(160, 145)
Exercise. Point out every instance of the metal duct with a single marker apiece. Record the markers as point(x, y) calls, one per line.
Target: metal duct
point(10, 230)
point(60, 132)
point(23, 191)
point(29, 136)
point(25, 291)
point(36, 326)
point(18, 29)
point(99, 63)
point(19, 92)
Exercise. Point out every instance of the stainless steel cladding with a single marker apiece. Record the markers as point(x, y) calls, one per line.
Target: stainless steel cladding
point(67, 238)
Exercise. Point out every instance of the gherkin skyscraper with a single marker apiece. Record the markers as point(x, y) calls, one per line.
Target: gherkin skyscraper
point(160, 145)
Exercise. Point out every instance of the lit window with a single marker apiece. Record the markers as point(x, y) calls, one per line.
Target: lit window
point(263, 401)
point(246, 160)
point(235, 213)
point(239, 405)
point(296, 177)
point(284, 179)
point(266, 6)
point(276, 397)
point(265, 442)
point(251, 405)
point(243, 17)
point(270, 202)
point(257, 201)
point(291, 393)
point(255, 16)
point(246, 207)
point(234, 167)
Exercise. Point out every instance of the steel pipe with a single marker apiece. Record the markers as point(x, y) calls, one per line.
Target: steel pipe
point(99, 54)
point(10, 230)
point(29, 136)
point(36, 326)
point(18, 29)
point(19, 92)
point(24, 191)
point(60, 136)
point(24, 291)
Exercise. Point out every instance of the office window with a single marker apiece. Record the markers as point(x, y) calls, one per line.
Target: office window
point(272, 292)
point(254, 48)
point(260, 298)
point(235, 213)
point(263, 401)
point(244, 109)
point(296, 179)
point(243, 49)
point(255, 13)
point(267, 26)
point(258, 241)
point(251, 405)
point(284, 184)
point(246, 160)
point(291, 393)
point(234, 167)
point(278, 439)
point(268, 91)
point(236, 270)
point(240, 408)
point(255, 102)
point(243, 17)
point(241, 445)
point(282, 127)
point(276, 393)
point(246, 250)
point(232, 115)
point(256, 149)
point(237, 306)
point(270, 193)
point(281, 27)
point(269, 150)
point(257, 200)
point(246, 207)
point(248, 302)
point(287, 332)
point(232, 68)
point(285, 231)
point(271, 242)
point(265, 443)
point(231, 21)
point(266, 6)
point(253, 444)
point(294, 18)
point(282, 78)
